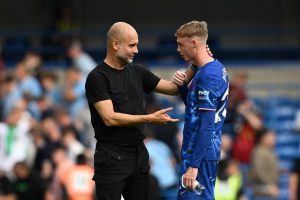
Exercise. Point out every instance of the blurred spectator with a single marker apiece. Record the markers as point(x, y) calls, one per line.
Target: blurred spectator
point(85, 129)
point(81, 124)
point(294, 182)
point(27, 84)
point(63, 119)
point(52, 135)
point(33, 63)
point(6, 188)
point(237, 95)
point(42, 149)
point(248, 112)
point(49, 84)
point(226, 146)
point(264, 171)
point(237, 90)
point(77, 181)
point(11, 94)
point(42, 162)
point(162, 161)
point(15, 142)
point(247, 124)
point(28, 184)
point(80, 59)
point(73, 146)
point(62, 165)
point(47, 173)
point(242, 120)
point(229, 183)
point(74, 93)
point(44, 108)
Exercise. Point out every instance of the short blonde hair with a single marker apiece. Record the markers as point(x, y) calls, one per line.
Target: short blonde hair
point(193, 28)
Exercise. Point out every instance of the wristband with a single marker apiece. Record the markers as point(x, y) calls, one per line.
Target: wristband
point(194, 68)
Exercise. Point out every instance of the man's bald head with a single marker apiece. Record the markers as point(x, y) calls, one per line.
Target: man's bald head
point(119, 31)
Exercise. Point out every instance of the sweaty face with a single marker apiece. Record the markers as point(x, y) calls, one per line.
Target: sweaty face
point(128, 48)
point(185, 48)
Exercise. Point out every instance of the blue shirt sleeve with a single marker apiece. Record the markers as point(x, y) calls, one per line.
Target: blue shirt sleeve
point(203, 137)
point(205, 89)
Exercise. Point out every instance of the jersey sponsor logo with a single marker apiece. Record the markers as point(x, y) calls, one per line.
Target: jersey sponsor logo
point(203, 93)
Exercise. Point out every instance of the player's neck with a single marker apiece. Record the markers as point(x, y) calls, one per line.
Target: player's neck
point(203, 58)
point(113, 63)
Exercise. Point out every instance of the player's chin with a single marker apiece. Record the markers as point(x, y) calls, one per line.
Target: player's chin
point(184, 57)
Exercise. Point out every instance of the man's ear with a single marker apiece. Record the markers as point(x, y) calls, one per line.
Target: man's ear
point(194, 43)
point(116, 44)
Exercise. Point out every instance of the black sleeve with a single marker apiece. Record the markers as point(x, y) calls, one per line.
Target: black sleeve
point(96, 88)
point(150, 80)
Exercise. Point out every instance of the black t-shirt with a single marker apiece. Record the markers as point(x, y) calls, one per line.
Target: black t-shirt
point(126, 90)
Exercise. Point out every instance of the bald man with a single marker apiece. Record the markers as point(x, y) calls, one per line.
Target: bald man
point(114, 90)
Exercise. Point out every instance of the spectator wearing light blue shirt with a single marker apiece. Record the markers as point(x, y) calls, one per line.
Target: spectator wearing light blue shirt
point(50, 87)
point(74, 94)
point(162, 161)
point(80, 59)
point(11, 94)
point(27, 84)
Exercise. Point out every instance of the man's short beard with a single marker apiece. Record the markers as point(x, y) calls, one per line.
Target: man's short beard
point(124, 61)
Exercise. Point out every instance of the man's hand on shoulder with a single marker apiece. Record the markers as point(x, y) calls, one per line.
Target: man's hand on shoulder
point(179, 78)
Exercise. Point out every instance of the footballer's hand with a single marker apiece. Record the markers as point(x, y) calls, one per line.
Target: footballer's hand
point(161, 116)
point(208, 51)
point(179, 78)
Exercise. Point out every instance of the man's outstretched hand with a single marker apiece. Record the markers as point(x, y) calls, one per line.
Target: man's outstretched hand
point(161, 116)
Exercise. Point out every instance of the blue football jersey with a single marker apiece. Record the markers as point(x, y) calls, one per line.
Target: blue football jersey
point(206, 99)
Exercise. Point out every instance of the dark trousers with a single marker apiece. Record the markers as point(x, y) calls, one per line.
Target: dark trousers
point(121, 170)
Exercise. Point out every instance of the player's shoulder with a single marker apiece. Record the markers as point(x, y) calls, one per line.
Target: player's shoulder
point(213, 69)
point(96, 73)
point(215, 66)
point(136, 66)
point(211, 74)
